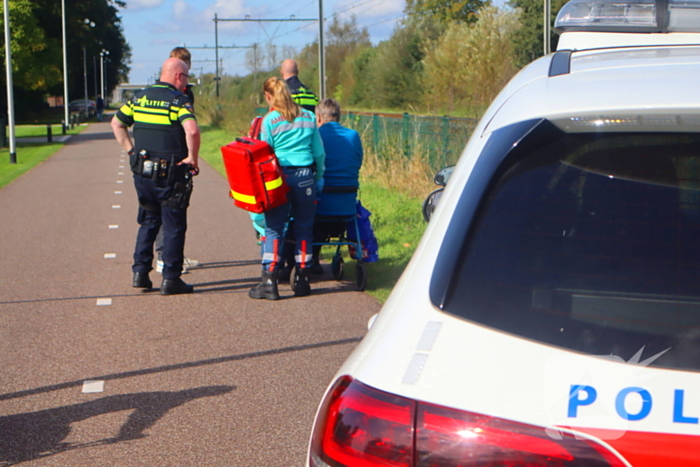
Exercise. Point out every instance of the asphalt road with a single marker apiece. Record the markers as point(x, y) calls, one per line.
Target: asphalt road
point(209, 379)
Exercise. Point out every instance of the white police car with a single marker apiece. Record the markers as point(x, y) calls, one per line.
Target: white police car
point(551, 314)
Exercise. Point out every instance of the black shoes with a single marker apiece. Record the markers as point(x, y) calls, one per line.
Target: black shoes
point(301, 285)
point(174, 287)
point(141, 281)
point(267, 289)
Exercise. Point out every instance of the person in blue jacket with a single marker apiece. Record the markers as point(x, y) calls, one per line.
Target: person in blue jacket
point(341, 179)
point(293, 134)
point(342, 176)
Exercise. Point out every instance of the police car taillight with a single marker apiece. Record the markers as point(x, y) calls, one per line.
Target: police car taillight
point(359, 426)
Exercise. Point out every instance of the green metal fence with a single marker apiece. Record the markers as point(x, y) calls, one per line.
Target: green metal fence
point(440, 139)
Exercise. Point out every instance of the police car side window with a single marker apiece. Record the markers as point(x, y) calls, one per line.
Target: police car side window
point(589, 242)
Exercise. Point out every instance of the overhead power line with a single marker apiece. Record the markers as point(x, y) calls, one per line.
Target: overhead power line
point(353, 6)
point(387, 20)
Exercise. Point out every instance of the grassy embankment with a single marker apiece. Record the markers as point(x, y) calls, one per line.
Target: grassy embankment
point(29, 154)
point(392, 188)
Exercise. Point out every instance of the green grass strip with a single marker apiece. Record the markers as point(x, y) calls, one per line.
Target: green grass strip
point(30, 155)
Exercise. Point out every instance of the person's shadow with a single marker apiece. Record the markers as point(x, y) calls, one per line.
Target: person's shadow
point(33, 435)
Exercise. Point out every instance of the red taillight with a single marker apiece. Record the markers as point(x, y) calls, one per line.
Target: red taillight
point(359, 426)
point(452, 438)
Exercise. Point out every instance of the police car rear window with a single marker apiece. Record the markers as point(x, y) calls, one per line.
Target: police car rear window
point(590, 242)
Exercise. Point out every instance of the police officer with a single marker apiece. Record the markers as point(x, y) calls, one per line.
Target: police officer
point(300, 93)
point(163, 156)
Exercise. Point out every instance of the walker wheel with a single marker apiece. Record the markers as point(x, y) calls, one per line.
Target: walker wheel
point(293, 277)
point(338, 267)
point(361, 276)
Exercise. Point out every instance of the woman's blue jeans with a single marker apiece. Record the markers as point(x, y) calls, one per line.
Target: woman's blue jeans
point(300, 206)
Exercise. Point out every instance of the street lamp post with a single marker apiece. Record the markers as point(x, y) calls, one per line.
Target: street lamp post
point(102, 71)
point(65, 65)
point(10, 95)
point(94, 74)
point(92, 25)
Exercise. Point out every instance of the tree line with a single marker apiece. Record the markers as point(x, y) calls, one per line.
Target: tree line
point(37, 50)
point(443, 57)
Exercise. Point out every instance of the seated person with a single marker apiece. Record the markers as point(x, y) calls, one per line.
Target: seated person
point(340, 180)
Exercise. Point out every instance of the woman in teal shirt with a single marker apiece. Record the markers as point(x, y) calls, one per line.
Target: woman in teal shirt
point(293, 134)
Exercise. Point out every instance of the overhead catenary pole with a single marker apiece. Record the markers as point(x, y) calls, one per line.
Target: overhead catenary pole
point(216, 53)
point(322, 66)
point(10, 94)
point(255, 67)
point(65, 64)
point(321, 54)
point(218, 62)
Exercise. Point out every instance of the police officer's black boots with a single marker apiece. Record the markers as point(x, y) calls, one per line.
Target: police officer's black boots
point(141, 281)
point(301, 286)
point(174, 287)
point(267, 289)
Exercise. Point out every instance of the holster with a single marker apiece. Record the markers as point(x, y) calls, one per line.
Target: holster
point(180, 194)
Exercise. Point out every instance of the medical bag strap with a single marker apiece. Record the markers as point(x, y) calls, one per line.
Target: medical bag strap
point(255, 127)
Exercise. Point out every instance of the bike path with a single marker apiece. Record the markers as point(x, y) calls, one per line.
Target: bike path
point(208, 379)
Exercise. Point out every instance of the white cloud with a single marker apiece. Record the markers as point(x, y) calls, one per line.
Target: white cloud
point(369, 9)
point(188, 16)
point(132, 5)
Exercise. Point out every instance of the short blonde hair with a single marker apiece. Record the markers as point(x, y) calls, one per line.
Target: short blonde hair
point(183, 54)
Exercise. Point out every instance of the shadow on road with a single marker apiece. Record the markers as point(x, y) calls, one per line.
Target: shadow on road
point(178, 366)
point(34, 435)
point(84, 137)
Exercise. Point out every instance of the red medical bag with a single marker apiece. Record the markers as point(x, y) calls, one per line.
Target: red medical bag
point(254, 175)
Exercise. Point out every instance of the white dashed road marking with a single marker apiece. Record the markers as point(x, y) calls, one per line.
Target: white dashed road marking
point(110, 255)
point(104, 301)
point(116, 206)
point(117, 192)
point(113, 226)
point(93, 386)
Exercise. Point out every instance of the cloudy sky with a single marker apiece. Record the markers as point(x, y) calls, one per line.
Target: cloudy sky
point(154, 27)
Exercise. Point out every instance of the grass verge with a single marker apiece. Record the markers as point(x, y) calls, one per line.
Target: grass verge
point(396, 216)
point(28, 131)
point(29, 155)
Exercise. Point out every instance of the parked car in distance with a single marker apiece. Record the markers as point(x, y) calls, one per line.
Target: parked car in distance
point(550, 315)
point(78, 105)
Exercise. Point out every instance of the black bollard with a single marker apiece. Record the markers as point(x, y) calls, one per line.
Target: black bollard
point(63, 127)
point(48, 133)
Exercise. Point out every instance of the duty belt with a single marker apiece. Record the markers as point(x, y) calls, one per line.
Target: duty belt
point(155, 166)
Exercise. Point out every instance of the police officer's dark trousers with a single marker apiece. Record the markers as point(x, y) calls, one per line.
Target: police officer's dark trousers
point(152, 214)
